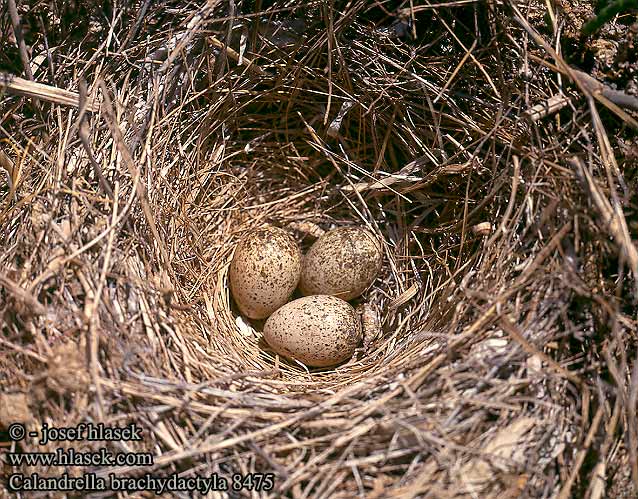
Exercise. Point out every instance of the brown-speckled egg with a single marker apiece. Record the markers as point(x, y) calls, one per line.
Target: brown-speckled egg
point(319, 330)
point(343, 262)
point(264, 272)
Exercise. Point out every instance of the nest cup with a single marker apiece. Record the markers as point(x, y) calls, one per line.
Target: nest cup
point(287, 180)
point(240, 339)
point(282, 171)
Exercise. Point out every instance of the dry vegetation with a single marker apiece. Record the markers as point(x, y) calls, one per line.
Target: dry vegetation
point(507, 364)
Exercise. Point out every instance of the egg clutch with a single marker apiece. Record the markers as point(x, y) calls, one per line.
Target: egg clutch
point(321, 329)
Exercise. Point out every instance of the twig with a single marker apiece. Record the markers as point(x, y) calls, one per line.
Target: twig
point(17, 30)
point(580, 457)
point(597, 481)
point(613, 217)
point(449, 81)
point(593, 85)
point(20, 86)
point(502, 229)
point(83, 132)
point(511, 329)
point(183, 39)
point(632, 423)
point(24, 296)
point(91, 310)
point(587, 84)
point(596, 87)
point(469, 53)
point(245, 61)
point(551, 106)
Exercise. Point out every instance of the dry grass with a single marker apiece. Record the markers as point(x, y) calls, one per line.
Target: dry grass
point(507, 365)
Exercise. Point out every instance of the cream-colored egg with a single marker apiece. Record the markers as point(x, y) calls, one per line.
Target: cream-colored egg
point(343, 262)
point(320, 330)
point(264, 271)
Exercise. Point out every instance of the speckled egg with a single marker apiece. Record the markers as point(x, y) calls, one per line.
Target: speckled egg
point(343, 262)
point(264, 271)
point(320, 330)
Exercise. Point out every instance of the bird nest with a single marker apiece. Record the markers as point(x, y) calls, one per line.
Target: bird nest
point(147, 137)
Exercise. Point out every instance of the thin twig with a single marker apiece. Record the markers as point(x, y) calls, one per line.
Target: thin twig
point(22, 46)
